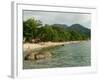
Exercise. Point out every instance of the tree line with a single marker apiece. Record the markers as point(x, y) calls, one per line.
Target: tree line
point(35, 31)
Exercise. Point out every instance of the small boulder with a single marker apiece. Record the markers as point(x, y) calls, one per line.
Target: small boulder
point(38, 55)
point(30, 56)
point(43, 55)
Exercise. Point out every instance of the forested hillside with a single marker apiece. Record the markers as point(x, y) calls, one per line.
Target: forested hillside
point(35, 31)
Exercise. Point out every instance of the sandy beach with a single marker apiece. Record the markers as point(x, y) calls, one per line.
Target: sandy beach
point(33, 46)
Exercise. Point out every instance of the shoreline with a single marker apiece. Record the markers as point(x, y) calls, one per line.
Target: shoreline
point(34, 46)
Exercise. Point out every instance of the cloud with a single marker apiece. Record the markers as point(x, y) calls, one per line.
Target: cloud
point(60, 17)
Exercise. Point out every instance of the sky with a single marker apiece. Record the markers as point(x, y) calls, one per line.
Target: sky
point(67, 18)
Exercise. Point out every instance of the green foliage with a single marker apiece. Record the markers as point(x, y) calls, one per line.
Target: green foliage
point(30, 28)
point(33, 29)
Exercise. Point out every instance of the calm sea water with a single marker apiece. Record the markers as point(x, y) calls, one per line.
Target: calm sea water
point(70, 55)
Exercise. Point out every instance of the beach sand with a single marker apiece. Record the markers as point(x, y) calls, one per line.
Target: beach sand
point(33, 46)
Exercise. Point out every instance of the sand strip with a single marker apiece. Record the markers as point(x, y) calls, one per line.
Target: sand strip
point(33, 46)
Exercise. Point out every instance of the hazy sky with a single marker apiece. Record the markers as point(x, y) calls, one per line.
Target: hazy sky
point(59, 17)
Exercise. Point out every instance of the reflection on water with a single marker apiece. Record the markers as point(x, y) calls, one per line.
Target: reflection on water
point(70, 55)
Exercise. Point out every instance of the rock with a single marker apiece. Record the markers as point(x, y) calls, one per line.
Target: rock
point(30, 56)
point(43, 55)
point(62, 45)
point(38, 55)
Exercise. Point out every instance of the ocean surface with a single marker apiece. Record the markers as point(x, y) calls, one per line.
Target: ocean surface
point(69, 55)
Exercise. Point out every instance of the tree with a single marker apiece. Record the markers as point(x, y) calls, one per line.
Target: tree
point(46, 33)
point(33, 29)
point(30, 28)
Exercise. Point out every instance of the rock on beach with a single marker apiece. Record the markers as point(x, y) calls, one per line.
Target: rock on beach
point(38, 55)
